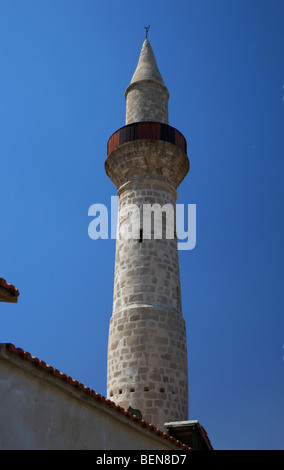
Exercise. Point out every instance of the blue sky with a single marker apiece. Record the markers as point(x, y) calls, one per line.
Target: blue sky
point(65, 66)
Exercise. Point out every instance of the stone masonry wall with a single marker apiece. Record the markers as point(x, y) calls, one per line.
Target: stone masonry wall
point(146, 101)
point(147, 364)
point(147, 357)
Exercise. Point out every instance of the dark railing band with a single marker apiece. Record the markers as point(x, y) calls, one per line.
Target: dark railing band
point(146, 130)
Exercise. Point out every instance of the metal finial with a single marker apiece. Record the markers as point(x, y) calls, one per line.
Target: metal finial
point(147, 29)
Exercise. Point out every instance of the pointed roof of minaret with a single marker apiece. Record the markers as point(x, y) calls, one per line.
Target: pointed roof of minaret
point(147, 68)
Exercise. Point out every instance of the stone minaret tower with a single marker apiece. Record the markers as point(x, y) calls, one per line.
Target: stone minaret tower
point(147, 353)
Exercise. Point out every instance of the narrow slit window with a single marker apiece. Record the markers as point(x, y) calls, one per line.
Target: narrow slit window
point(141, 235)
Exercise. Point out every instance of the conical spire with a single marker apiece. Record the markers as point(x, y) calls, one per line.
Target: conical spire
point(147, 68)
point(147, 95)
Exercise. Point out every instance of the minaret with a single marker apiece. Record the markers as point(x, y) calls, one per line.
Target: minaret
point(147, 160)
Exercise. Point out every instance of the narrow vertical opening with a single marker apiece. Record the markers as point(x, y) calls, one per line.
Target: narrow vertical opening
point(141, 235)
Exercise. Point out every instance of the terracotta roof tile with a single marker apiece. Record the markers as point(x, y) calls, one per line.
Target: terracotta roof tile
point(9, 288)
point(41, 364)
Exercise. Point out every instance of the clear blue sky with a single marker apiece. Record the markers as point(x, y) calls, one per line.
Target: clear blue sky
point(65, 65)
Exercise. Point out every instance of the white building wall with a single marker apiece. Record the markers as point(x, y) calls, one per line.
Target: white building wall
point(39, 411)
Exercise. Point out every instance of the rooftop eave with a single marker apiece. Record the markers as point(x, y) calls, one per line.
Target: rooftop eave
point(6, 296)
point(32, 364)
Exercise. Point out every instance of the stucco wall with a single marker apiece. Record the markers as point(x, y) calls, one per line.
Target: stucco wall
point(40, 411)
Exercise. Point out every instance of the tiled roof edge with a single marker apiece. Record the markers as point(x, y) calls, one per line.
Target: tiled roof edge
point(42, 365)
point(9, 287)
